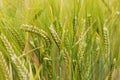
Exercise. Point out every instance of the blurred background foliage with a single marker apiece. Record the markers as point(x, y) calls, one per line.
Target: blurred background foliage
point(84, 39)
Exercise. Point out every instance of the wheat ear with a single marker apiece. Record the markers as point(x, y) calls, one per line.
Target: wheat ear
point(17, 37)
point(33, 29)
point(4, 67)
point(55, 36)
point(107, 47)
point(20, 69)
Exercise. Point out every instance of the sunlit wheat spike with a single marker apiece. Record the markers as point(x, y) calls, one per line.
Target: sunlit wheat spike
point(7, 44)
point(4, 67)
point(45, 36)
point(30, 28)
point(55, 36)
point(37, 31)
point(13, 58)
point(19, 67)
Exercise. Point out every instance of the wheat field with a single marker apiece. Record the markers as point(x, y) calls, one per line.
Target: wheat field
point(59, 39)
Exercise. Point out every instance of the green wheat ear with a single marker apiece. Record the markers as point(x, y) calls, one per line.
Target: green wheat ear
point(17, 37)
point(4, 68)
point(7, 44)
point(35, 30)
point(107, 47)
point(20, 68)
point(66, 56)
point(89, 20)
point(17, 64)
point(106, 39)
point(55, 36)
point(49, 69)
